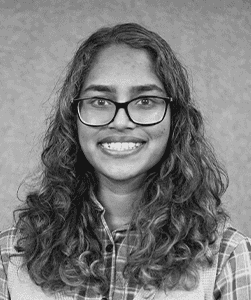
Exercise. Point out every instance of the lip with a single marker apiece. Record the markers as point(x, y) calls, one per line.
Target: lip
point(121, 139)
point(123, 153)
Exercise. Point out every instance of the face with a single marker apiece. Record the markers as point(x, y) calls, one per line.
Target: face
point(122, 150)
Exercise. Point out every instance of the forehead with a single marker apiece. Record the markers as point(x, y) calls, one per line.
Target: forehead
point(121, 64)
point(124, 52)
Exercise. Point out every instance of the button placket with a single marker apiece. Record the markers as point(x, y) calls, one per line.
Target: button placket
point(109, 248)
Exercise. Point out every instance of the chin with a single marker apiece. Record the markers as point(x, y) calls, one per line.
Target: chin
point(124, 176)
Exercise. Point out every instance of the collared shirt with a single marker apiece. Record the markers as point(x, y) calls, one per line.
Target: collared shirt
point(233, 278)
point(115, 249)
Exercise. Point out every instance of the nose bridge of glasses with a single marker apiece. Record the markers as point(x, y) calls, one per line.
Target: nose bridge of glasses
point(122, 105)
point(121, 108)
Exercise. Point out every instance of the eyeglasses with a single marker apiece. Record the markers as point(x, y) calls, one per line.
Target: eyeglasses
point(143, 110)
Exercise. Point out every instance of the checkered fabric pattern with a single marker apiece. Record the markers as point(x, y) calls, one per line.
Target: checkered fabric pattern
point(115, 248)
point(233, 278)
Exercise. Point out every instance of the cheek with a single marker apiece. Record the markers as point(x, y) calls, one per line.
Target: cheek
point(85, 137)
point(161, 132)
point(160, 139)
point(164, 133)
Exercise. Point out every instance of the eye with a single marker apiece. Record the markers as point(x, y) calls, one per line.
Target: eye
point(146, 102)
point(99, 102)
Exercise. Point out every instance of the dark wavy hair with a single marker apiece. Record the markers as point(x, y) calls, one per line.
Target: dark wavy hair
point(176, 220)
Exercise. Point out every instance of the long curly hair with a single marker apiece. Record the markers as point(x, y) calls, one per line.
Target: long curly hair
point(176, 220)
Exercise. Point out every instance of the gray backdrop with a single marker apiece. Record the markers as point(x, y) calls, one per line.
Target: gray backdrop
point(211, 37)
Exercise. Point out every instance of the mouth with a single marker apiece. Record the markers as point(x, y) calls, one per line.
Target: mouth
point(117, 146)
point(121, 145)
point(121, 149)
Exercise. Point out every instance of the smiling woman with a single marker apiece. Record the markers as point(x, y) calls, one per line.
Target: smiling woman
point(129, 202)
point(126, 71)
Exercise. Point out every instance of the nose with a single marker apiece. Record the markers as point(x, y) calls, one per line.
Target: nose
point(122, 121)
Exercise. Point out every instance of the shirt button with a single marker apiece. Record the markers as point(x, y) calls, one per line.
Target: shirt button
point(108, 248)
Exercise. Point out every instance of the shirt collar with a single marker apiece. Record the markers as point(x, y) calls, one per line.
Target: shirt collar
point(101, 209)
point(98, 205)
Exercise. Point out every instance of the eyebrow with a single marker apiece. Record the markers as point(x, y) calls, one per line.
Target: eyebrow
point(100, 88)
point(147, 88)
point(134, 89)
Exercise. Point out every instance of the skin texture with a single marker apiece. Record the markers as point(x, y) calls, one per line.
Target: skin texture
point(122, 71)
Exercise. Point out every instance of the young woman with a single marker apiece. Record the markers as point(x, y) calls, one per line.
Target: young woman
point(129, 202)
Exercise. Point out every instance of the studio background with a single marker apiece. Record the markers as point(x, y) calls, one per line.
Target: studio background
point(211, 37)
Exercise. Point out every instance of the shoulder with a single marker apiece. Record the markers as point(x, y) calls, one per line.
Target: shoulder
point(7, 239)
point(234, 246)
point(233, 279)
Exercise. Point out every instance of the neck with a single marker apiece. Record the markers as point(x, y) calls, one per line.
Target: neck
point(119, 200)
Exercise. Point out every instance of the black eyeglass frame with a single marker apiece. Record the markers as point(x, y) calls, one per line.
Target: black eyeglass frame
point(123, 105)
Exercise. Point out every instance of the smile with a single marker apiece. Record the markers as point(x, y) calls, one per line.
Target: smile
point(124, 146)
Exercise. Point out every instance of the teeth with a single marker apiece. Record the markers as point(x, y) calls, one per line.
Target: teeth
point(121, 146)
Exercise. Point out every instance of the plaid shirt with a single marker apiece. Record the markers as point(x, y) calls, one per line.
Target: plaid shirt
point(233, 278)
